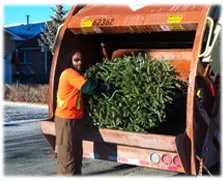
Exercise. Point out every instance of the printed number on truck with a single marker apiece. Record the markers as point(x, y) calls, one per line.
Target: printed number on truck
point(103, 22)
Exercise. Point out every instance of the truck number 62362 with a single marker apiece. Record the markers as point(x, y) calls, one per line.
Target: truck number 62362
point(103, 22)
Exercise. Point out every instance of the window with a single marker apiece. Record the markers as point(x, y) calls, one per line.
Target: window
point(28, 57)
point(25, 57)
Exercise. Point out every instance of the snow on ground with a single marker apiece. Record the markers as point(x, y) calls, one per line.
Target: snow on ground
point(14, 113)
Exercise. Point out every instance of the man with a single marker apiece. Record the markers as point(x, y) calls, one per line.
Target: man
point(69, 115)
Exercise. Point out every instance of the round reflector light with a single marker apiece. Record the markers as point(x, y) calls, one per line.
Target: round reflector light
point(166, 159)
point(155, 158)
point(177, 161)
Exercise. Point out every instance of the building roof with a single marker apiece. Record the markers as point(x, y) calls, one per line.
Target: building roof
point(26, 31)
point(14, 36)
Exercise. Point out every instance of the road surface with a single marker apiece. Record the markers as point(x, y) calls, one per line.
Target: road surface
point(26, 150)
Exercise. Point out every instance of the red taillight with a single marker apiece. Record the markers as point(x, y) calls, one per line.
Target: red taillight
point(177, 161)
point(166, 159)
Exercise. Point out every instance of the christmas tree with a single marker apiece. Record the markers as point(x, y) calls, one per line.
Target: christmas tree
point(145, 91)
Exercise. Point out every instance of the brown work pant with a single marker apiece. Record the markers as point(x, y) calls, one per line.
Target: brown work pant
point(69, 142)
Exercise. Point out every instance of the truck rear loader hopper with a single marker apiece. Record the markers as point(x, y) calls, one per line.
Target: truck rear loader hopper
point(183, 34)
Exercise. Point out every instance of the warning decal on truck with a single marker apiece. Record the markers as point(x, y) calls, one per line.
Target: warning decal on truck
point(86, 26)
point(87, 23)
point(175, 26)
point(175, 18)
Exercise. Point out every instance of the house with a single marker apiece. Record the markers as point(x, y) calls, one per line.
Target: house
point(24, 61)
point(10, 40)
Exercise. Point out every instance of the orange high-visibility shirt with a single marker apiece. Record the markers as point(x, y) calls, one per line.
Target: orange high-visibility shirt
point(70, 104)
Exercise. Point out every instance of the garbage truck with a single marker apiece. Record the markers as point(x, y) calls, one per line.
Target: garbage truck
point(186, 35)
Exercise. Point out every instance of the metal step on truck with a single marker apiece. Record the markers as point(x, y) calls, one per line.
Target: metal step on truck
point(189, 37)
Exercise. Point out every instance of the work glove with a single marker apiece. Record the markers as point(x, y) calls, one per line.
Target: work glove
point(106, 87)
point(110, 88)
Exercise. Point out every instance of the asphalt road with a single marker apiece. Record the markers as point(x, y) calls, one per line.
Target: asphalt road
point(26, 150)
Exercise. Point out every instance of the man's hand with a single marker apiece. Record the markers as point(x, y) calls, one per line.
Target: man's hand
point(110, 88)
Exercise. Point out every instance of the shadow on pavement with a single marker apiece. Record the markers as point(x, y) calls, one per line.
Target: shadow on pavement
point(114, 169)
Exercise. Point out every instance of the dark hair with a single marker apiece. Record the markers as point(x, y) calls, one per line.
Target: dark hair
point(69, 60)
point(69, 57)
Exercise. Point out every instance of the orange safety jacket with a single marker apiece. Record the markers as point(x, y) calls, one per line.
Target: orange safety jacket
point(70, 104)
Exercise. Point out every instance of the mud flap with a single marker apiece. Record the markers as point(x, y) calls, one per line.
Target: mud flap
point(183, 148)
